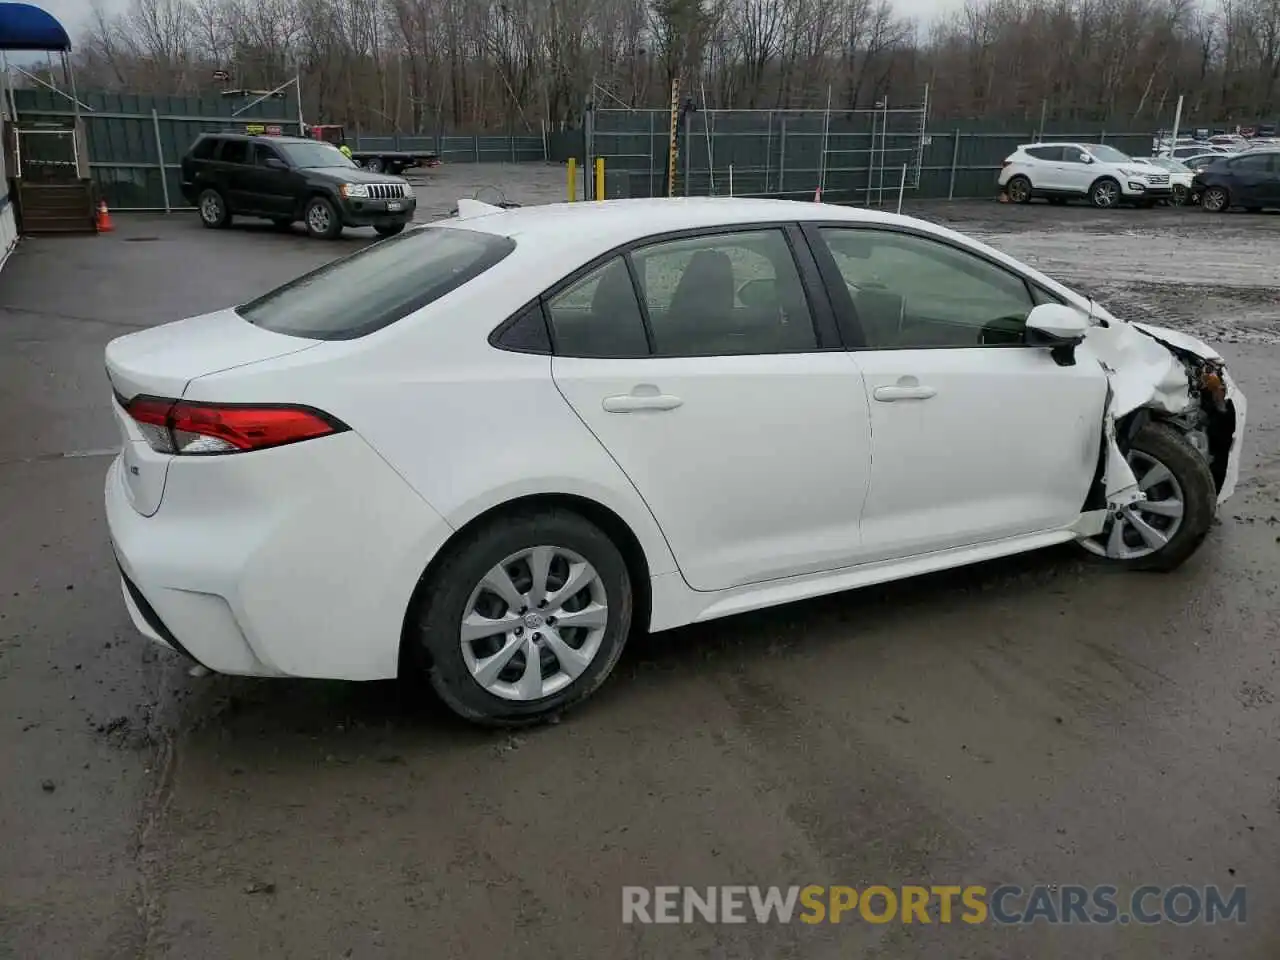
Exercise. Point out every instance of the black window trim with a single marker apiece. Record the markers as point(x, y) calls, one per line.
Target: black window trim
point(842, 302)
point(822, 311)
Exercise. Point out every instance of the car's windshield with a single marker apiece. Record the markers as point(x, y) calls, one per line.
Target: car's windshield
point(377, 285)
point(314, 155)
point(1107, 154)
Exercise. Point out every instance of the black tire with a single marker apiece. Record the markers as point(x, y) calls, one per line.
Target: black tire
point(1019, 189)
point(322, 219)
point(374, 165)
point(1180, 196)
point(214, 212)
point(1105, 193)
point(1167, 446)
point(1215, 200)
point(434, 625)
point(390, 230)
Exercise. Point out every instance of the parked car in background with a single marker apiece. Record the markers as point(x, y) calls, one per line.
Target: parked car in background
point(1232, 142)
point(1180, 178)
point(1250, 180)
point(1096, 172)
point(1185, 150)
point(286, 179)
point(488, 448)
point(1199, 161)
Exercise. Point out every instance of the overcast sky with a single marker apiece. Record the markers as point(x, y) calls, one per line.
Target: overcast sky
point(74, 14)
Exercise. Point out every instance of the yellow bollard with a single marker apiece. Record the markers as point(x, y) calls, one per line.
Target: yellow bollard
point(573, 179)
point(599, 178)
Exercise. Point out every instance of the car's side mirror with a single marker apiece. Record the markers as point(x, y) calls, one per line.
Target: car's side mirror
point(1058, 327)
point(1087, 158)
point(275, 163)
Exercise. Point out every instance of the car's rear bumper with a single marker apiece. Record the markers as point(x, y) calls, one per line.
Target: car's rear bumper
point(297, 561)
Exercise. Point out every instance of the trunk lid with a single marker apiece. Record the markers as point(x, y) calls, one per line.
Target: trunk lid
point(162, 362)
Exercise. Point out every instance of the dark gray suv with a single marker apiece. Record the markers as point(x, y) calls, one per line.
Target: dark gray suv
point(287, 179)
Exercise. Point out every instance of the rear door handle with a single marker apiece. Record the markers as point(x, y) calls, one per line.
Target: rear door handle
point(631, 403)
point(890, 394)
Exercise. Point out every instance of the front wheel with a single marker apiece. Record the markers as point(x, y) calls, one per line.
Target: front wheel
point(322, 219)
point(1215, 200)
point(524, 618)
point(1161, 532)
point(1105, 193)
point(374, 165)
point(1180, 195)
point(390, 230)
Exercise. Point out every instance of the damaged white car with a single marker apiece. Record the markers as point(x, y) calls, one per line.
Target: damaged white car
point(491, 447)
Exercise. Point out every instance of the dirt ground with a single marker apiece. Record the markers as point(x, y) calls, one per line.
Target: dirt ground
point(1034, 720)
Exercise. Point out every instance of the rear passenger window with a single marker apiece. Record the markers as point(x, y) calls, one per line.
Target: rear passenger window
point(725, 294)
point(1045, 153)
point(234, 151)
point(599, 316)
point(204, 147)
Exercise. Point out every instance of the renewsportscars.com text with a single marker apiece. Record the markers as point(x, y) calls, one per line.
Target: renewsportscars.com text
point(1005, 904)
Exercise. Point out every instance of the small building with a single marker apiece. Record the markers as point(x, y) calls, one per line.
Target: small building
point(44, 169)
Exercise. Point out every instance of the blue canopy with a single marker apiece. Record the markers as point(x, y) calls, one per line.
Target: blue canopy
point(24, 27)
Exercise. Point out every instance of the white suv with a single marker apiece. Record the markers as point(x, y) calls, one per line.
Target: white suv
point(1060, 171)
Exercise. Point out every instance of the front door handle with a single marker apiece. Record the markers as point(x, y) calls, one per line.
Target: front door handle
point(634, 402)
point(903, 392)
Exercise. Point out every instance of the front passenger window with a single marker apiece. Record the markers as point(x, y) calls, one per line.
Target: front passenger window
point(910, 292)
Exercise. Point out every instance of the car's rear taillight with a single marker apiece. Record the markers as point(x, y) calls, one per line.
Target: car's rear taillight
point(186, 427)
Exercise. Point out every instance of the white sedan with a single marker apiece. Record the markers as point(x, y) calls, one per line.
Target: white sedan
point(490, 448)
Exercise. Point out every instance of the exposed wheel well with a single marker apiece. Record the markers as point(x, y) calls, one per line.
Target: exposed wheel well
point(613, 526)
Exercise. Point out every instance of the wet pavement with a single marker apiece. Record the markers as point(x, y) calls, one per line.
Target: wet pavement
point(1034, 720)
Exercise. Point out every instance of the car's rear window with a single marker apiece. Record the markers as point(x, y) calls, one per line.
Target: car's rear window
point(378, 285)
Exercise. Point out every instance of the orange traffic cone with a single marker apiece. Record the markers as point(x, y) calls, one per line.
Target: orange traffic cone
point(103, 222)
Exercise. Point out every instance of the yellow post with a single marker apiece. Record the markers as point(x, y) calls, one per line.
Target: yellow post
point(573, 179)
point(599, 178)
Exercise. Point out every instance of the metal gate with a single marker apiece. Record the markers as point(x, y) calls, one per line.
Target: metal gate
point(850, 156)
point(46, 155)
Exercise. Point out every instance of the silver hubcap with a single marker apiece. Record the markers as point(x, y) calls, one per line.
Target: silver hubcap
point(1213, 200)
point(1142, 528)
point(318, 218)
point(1019, 190)
point(534, 623)
point(1104, 195)
point(211, 208)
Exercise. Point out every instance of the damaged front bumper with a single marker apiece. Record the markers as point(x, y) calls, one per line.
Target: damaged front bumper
point(1153, 371)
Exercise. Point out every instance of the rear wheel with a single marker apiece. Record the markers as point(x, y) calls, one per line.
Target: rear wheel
point(524, 618)
point(214, 212)
point(322, 219)
point(374, 165)
point(390, 230)
point(1161, 532)
point(1215, 200)
point(1019, 190)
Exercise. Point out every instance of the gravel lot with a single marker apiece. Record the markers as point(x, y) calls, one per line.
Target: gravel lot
point(1026, 721)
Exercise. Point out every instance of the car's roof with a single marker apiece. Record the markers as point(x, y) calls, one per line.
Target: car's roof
point(612, 223)
point(268, 137)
